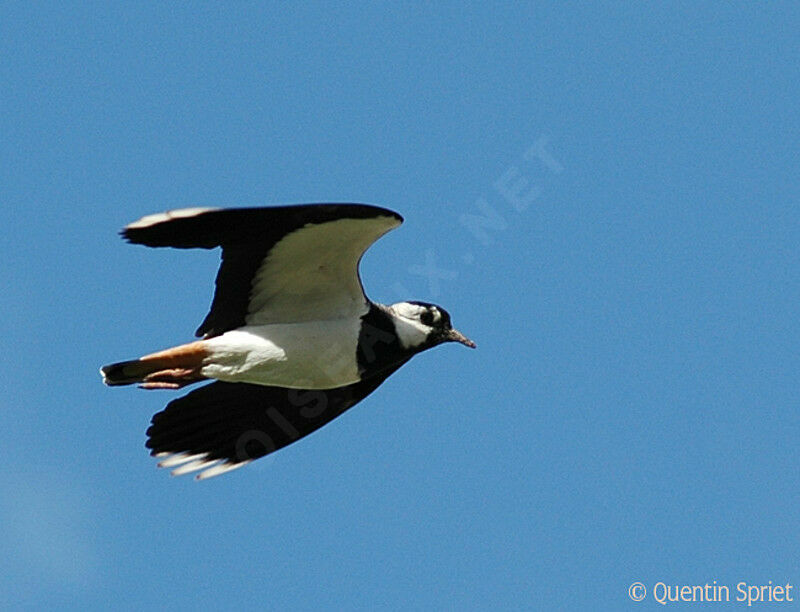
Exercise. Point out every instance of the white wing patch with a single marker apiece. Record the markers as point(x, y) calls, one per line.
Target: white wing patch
point(193, 466)
point(219, 469)
point(161, 217)
point(178, 459)
point(187, 463)
point(312, 273)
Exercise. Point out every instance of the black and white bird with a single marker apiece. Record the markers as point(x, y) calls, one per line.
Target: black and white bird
point(291, 339)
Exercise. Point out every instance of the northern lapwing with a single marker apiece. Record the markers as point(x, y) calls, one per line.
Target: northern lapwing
point(291, 339)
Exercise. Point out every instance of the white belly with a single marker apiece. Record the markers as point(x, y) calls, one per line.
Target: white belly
point(305, 355)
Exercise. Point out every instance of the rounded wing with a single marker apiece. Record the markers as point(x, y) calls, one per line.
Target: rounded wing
point(222, 426)
point(280, 264)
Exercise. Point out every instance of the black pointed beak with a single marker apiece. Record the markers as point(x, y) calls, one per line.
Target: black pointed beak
point(453, 335)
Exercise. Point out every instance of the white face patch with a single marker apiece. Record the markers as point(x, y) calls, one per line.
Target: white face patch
point(407, 310)
point(411, 331)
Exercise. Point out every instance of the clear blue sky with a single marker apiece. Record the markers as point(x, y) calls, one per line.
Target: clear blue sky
point(631, 413)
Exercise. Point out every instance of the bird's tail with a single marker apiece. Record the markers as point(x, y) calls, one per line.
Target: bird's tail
point(169, 369)
point(126, 372)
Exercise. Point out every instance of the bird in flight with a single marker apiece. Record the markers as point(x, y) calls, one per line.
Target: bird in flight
point(291, 340)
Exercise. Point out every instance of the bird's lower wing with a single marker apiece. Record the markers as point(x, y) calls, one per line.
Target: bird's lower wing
point(223, 426)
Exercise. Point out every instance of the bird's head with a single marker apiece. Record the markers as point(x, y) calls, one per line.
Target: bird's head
point(420, 325)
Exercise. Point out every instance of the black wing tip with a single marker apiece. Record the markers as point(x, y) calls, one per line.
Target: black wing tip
point(156, 229)
point(125, 234)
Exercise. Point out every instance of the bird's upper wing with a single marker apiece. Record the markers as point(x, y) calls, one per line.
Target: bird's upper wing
point(222, 426)
point(280, 264)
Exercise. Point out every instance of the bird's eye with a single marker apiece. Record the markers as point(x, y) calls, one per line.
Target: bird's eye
point(426, 318)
